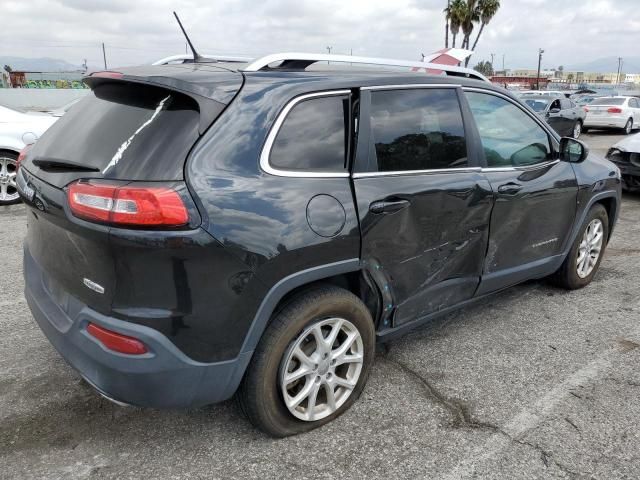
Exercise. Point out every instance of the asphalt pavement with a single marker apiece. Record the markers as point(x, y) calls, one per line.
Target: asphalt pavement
point(534, 382)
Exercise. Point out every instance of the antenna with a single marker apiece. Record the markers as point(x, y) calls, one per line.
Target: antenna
point(196, 56)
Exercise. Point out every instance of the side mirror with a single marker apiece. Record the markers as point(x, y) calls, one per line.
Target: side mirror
point(572, 150)
point(554, 110)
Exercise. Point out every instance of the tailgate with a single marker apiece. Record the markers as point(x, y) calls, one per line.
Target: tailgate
point(136, 129)
point(74, 255)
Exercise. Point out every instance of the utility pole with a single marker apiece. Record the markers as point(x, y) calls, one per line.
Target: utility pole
point(104, 56)
point(329, 51)
point(503, 69)
point(540, 52)
point(619, 68)
point(492, 57)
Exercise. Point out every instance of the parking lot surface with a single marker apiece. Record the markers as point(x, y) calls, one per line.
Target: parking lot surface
point(534, 382)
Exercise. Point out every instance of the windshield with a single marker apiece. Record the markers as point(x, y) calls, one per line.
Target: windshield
point(608, 101)
point(538, 104)
point(585, 100)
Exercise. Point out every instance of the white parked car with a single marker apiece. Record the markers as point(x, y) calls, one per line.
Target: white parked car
point(613, 112)
point(17, 130)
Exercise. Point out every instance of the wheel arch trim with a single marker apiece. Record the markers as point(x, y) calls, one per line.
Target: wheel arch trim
point(585, 211)
point(286, 285)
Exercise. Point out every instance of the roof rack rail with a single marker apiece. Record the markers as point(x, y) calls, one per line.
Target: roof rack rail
point(189, 56)
point(300, 61)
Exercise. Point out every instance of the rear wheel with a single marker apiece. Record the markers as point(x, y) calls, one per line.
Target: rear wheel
point(8, 170)
point(577, 129)
point(586, 253)
point(311, 364)
point(628, 128)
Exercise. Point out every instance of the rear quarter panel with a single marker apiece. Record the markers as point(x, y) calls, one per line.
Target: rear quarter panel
point(262, 218)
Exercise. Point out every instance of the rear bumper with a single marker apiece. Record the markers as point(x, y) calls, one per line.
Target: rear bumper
point(605, 122)
point(162, 378)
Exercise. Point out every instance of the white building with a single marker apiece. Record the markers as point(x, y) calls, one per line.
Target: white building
point(632, 78)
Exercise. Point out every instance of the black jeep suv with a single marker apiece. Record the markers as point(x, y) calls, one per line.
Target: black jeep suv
point(196, 230)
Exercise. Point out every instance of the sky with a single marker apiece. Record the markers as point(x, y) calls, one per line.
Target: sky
point(140, 31)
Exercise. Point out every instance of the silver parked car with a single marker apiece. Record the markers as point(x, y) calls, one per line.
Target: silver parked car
point(17, 130)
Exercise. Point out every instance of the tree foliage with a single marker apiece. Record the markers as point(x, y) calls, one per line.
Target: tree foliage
point(484, 68)
point(463, 15)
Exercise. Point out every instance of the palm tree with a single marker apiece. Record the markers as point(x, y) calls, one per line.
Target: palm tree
point(471, 14)
point(488, 9)
point(446, 26)
point(454, 14)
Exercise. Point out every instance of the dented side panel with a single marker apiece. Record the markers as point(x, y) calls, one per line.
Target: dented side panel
point(429, 255)
point(534, 223)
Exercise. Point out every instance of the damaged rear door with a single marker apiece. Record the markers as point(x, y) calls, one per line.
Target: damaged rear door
point(423, 203)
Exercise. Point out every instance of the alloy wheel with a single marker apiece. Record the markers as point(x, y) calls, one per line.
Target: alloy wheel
point(590, 248)
point(321, 368)
point(8, 188)
point(577, 130)
point(628, 127)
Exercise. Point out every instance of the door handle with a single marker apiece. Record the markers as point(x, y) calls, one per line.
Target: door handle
point(510, 188)
point(388, 206)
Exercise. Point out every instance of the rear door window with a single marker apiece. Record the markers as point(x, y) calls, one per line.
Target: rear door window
point(126, 131)
point(419, 129)
point(314, 136)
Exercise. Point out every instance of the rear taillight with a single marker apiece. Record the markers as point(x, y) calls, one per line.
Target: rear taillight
point(22, 155)
point(614, 110)
point(116, 341)
point(127, 205)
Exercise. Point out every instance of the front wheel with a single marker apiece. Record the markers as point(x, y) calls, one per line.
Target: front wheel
point(586, 253)
point(311, 364)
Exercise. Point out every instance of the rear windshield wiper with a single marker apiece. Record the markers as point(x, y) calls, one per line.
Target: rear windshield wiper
point(53, 164)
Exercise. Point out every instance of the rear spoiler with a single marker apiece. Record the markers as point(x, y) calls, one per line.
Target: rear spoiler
point(213, 88)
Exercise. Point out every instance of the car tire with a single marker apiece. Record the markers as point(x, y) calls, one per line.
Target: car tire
point(585, 129)
point(628, 127)
point(293, 331)
point(8, 190)
point(577, 129)
point(580, 266)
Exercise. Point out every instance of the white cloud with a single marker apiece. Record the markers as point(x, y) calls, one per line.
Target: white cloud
point(571, 31)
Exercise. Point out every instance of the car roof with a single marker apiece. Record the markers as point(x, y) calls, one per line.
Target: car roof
point(293, 83)
point(220, 80)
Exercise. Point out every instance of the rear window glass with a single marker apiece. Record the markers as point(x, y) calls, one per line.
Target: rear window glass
point(313, 136)
point(417, 130)
point(538, 104)
point(127, 131)
point(608, 101)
